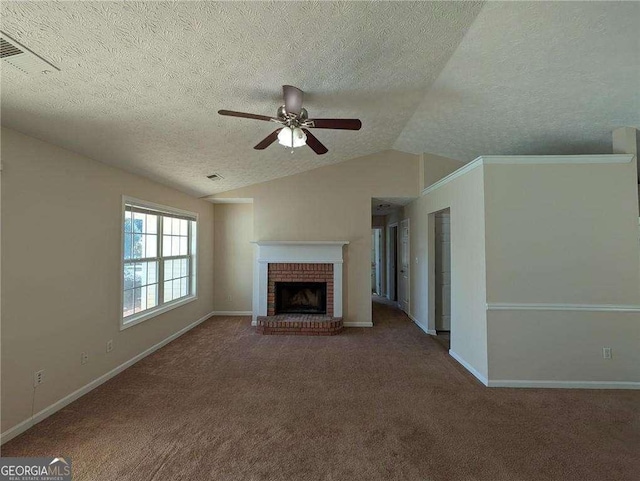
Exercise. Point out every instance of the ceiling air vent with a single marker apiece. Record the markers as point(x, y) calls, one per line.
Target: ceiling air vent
point(7, 49)
point(215, 177)
point(20, 57)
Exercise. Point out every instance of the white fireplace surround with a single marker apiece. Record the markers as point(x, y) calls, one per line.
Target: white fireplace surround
point(303, 252)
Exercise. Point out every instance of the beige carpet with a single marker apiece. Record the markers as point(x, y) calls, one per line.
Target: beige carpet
point(388, 403)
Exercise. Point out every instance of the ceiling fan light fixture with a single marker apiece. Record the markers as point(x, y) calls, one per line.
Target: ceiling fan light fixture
point(292, 137)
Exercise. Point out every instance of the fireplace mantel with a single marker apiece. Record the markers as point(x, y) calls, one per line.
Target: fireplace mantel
point(306, 252)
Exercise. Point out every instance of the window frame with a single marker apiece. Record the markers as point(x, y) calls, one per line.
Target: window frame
point(193, 246)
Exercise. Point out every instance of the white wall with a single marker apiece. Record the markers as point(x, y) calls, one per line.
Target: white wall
point(544, 261)
point(556, 235)
point(543, 348)
point(435, 167)
point(562, 233)
point(465, 198)
point(233, 257)
point(334, 203)
point(61, 223)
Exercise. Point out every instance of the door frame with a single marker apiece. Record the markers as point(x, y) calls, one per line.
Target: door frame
point(379, 261)
point(435, 240)
point(431, 269)
point(408, 286)
point(392, 273)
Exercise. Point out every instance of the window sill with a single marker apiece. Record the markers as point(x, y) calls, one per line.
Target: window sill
point(134, 320)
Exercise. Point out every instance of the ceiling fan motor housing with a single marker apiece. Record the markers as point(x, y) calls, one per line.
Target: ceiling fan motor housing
point(282, 114)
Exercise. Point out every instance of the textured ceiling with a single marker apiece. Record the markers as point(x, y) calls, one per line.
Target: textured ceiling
point(534, 78)
point(140, 83)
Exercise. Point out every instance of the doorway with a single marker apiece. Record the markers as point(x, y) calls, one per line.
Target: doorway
point(442, 294)
point(392, 256)
point(376, 261)
point(404, 278)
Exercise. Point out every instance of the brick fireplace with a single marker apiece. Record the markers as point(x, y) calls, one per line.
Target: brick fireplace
point(303, 273)
point(298, 287)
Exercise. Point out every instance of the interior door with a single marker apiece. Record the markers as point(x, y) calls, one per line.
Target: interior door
point(404, 265)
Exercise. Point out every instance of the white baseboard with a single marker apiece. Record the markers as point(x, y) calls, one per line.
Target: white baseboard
point(18, 429)
point(232, 313)
point(48, 411)
point(469, 367)
point(564, 384)
point(358, 324)
point(431, 332)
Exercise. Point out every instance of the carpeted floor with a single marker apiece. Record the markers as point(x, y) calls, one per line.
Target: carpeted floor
point(388, 403)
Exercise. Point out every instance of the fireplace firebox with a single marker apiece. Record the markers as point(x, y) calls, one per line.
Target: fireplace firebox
point(301, 297)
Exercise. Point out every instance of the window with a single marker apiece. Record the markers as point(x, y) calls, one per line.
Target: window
point(158, 260)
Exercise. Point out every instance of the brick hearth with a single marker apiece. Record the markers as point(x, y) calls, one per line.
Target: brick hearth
point(299, 324)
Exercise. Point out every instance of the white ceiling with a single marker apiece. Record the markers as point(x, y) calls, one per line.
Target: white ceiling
point(534, 78)
point(140, 83)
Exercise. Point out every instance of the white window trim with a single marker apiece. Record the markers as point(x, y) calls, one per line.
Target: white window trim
point(161, 309)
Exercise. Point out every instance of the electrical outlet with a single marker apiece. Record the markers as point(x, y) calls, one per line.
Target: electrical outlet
point(110, 345)
point(228, 297)
point(38, 378)
point(606, 352)
point(84, 358)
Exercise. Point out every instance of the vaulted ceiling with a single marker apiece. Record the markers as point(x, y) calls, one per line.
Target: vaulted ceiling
point(140, 83)
point(534, 78)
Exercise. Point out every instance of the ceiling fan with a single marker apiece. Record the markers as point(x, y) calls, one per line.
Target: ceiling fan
point(296, 122)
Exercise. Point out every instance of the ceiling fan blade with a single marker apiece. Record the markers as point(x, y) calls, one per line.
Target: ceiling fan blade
point(344, 124)
point(245, 115)
point(315, 144)
point(292, 99)
point(268, 140)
